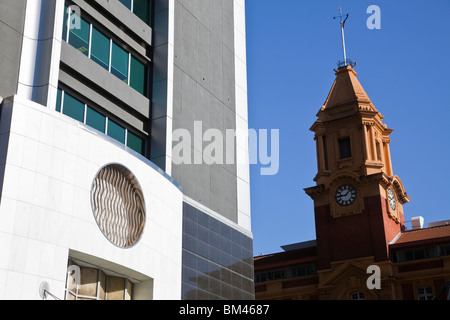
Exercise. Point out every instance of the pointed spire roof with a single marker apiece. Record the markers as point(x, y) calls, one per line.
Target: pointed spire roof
point(346, 90)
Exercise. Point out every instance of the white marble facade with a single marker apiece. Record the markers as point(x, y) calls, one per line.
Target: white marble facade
point(48, 163)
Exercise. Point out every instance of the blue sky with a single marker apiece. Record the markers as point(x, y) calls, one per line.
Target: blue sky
point(292, 49)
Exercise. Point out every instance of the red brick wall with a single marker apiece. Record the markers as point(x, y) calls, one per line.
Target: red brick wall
point(354, 236)
point(390, 226)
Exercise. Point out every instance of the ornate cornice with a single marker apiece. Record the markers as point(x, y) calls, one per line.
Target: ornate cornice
point(388, 182)
point(400, 190)
point(314, 192)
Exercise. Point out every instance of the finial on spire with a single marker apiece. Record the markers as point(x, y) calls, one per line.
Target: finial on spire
point(343, 19)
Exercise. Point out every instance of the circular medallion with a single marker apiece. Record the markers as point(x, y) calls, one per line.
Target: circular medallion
point(118, 205)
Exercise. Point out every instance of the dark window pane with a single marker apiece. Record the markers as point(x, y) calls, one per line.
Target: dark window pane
point(73, 108)
point(100, 48)
point(65, 23)
point(431, 252)
point(119, 63)
point(115, 131)
point(138, 76)
point(419, 254)
point(445, 250)
point(409, 255)
point(95, 120)
point(79, 37)
point(344, 148)
point(135, 143)
point(126, 3)
point(58, 100)
point(141, 8)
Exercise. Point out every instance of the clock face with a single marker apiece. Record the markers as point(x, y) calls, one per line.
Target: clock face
point(345, 195)
point(391, 199)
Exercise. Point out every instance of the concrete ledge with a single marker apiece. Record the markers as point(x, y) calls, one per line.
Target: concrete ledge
point(95, 73)
point(139, 30)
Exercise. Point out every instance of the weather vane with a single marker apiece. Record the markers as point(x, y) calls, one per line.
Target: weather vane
point(343, 19)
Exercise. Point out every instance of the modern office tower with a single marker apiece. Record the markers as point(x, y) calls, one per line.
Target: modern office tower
point(97, 99)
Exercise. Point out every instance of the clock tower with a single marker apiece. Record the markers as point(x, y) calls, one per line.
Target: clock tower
point(358, 201)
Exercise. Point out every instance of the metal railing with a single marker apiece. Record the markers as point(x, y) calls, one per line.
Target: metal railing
point(346, 62)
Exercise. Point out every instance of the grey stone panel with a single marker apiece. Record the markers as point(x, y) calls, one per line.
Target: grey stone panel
point(203, 58)
point(228, 23)
point(203, 184)
point(204, 66)
point(216, 67)
point(12, 13)
point(215, 20)
point(203, 108)
point(188, 43)
point(228, 78)
point(177, 101)
point(223, 190)
point(203, 12)
point(12, 17)
point(188, 103)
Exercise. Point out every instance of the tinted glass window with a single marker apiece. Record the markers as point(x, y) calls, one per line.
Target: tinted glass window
point(73, 108)
point(126, 3)
point(135, 143)
point(137, 76)
point(58, 100)
point(141, 8)
point(64, 32)
point(100, 48)
point(116, 131)
point(79, 37)
point(119, 63)
point(95, 120)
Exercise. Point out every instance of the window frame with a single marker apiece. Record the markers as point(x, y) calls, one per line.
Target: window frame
point(427, 293)
point(69, 33)
point(98, 30)
point(297, 271)
point(60, 109)
point(130, 75)
point(131, 8)
point(103, 277)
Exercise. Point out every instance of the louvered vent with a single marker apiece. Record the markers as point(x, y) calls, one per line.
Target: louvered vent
point(118, 205)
